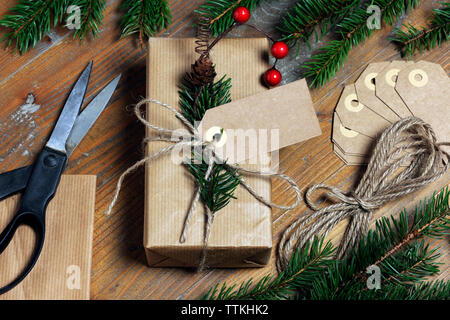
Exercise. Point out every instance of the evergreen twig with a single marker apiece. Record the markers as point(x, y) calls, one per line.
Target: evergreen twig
point(413, 39)
point(396, 246)
point(220, 12)
point(144, 17)
point(195, 100)
point(91, 17)
point(302, 269)
point(301, 21)
point(350, 32)
point(30, 20)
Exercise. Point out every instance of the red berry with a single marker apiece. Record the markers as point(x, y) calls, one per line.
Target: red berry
point(241, 14)
point(279, 49)
point(272, 77)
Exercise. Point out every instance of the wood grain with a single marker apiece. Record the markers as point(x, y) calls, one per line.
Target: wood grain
point(119, 270)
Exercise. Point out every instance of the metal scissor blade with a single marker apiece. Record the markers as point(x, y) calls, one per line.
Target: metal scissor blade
point(69, 113)
point(89, 115)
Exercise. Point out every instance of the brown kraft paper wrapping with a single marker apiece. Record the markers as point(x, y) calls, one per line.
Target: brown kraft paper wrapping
point(241, 234)
point(64, 266)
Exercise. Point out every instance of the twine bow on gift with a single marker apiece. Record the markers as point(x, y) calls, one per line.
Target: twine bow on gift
point(194, 139)
point(410, 143)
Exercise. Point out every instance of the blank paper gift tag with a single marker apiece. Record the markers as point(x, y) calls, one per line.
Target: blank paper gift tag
point(365, 89)
point(356, 116)
point(64, 266)
point(349, 141)
point(349, 159)
point(425, 88)
point(276, 118)
point(385, 88)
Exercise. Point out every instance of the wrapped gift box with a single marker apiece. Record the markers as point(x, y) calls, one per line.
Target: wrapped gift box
point(241, 234)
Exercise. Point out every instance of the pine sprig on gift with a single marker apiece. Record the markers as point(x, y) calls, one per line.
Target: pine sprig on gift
point(220, 12)
point(217, 191)
point(395, 246)
point(30, 21)
point(144, 17)
point(195, 99)
point(352, 31)
point(203, 97)
point(412, 39)
point(307, 16)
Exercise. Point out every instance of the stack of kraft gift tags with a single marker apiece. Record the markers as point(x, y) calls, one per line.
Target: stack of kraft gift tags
point(383, 94)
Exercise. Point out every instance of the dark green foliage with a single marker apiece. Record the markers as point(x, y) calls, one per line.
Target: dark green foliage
point(30, 21)
point(209, 96)
point(91, 17)
point(307, 16)
point(413, 39)
point(351, 31)
point(217, 191)
point(394, 246)
point(220, 12)
point(145, 17)
point(301, 271)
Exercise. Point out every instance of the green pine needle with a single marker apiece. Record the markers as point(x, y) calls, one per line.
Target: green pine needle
point(412, 39)
point(30, 20)
point(395, 246)
point(220, 12)
point(351, 31)
point(302, 269)
point(91, 17)
point(301, 21)
point(209, 96)
point(145, 17)
point(216, 191)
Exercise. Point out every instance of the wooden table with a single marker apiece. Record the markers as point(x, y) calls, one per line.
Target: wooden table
point(119, 269)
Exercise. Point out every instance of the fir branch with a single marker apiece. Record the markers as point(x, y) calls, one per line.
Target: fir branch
point(91, 17)
point(352, 31)
point(392, 246)
point(30, 21)
point(302, 268)
point(413, 39)
point(145, 17)
point(301, 21)
point(217, 191)
point(204, 98)
point(220, 12)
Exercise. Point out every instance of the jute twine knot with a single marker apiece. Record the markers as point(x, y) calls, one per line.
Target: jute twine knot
point(405, 159)
point(194, 139)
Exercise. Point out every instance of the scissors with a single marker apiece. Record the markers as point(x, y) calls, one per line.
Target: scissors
point(40, 180)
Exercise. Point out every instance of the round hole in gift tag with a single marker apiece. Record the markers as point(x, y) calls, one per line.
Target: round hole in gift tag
point(369, 80)
point(418, 78)
point(352, 103)
point(347, 132)
point(217, 135)
point(391, 76)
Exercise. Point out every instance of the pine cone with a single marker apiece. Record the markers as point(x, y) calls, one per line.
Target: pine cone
point(202, 71)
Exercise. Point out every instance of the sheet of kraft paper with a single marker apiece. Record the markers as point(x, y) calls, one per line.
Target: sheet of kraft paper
point(64, 266)
point(241, 234)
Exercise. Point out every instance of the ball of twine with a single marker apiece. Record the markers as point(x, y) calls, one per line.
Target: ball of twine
point(409, 142)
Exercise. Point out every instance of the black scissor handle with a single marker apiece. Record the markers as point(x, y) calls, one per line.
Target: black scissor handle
point(41, 188)
point(37, 223)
